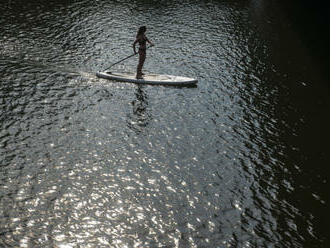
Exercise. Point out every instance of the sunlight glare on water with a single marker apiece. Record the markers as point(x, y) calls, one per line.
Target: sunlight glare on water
point(87, 162)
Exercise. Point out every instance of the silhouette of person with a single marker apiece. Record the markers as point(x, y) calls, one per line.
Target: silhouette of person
point(142, 39)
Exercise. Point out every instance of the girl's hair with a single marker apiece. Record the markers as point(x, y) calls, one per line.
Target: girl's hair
point(141, 30)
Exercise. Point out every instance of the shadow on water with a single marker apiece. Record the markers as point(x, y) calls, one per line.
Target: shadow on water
point(311, 21)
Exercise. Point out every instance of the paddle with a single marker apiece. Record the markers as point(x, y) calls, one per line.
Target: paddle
point(123, 60)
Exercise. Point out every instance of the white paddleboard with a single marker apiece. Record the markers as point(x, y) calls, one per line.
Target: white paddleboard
point(155, 79)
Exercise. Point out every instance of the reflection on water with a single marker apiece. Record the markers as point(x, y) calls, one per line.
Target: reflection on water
point(238, 161)
point(140, 117)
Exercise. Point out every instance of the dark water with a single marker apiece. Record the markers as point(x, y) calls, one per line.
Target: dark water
point(241, 160)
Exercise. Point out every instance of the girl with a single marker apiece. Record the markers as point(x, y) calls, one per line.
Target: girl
point(142, 40)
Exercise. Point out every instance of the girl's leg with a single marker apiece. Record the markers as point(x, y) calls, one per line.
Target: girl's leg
point(142, 58)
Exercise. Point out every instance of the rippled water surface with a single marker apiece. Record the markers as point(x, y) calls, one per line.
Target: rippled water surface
point(238, 161)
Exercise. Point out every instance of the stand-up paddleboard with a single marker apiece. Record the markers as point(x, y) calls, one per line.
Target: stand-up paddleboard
point(154, 79)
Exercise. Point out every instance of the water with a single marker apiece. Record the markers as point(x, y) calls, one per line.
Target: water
point(238, 161)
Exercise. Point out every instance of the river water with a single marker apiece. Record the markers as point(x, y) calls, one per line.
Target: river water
point(238, 161)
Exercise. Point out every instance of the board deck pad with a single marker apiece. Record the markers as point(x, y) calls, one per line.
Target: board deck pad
point(156, 79)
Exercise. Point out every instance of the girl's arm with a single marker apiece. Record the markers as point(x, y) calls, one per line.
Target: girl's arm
point(151, 44)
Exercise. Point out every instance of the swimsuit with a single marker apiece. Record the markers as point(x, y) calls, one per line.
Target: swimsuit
point(143, 43)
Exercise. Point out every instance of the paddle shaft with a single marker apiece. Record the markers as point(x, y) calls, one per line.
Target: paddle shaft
point(122, 60)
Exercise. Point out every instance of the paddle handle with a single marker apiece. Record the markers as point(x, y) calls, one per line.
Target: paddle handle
point(123, 60)
point(120, 61)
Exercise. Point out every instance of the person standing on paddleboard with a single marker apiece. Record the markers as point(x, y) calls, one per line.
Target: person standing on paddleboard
point(142, 39)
